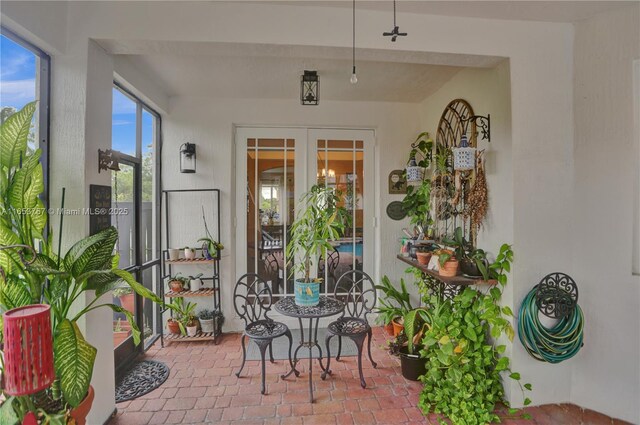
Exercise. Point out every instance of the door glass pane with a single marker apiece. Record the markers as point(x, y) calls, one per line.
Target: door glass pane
point(150, 318)
point(341, 166)
point(18, 82)
point(122, 188)
point(123, 123)
point(147, 220)
point(124, 297)
point(270, 209)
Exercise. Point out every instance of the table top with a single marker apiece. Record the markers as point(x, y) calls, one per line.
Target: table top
point(328, 306)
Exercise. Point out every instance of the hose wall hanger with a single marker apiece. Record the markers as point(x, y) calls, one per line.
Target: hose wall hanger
point(556, 296)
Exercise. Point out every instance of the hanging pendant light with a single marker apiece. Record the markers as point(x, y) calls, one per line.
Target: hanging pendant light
point(354, 77)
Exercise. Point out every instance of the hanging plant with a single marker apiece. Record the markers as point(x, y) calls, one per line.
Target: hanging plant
point(478, 201)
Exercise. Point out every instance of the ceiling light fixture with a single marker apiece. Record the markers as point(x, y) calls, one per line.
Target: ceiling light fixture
point(354, 77)
point(309, 85)
point(395, 32)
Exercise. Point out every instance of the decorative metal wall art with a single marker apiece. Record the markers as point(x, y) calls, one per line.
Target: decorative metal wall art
point(397, 182)
point(309, 88)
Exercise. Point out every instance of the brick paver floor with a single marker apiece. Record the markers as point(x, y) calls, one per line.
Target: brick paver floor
point(202, 388)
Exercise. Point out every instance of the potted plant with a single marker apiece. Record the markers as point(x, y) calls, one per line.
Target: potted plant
point(447, 262)
point(173, 326)
point(319, 221)
point(126, 296)
point(192, 325)
point(218, 317)
point(210, 248)
point(121, 331)
point(195, 283)
point(416, 202)
point(177, 283)
point(189, 253)
point(394, 304)
point(206, 317)
point(174, 254)
point(183, 314)
point(416, 322)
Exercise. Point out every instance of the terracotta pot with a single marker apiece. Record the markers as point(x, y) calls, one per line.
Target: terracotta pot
point(449, 269)
point(398, 325)
point(173, 326)
point(423, 257)
point(389, 328)
point(176, 286)
point(128, 302)
point(79, 414)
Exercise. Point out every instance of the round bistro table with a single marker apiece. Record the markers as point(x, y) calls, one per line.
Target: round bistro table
point(327, 306)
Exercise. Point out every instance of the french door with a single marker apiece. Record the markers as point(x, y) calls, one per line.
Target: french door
point(274, 167)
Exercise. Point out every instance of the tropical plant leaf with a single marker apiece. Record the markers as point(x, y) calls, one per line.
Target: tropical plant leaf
point(8, 257)
point(27, 183)
point(91, 253)
point(74, 359)
point(8, 414)
point(135, 331)
point(410, 328)
point(137, 287)
point(45, 266)
point(14, 293)
point(14, 134)
point(102, 282)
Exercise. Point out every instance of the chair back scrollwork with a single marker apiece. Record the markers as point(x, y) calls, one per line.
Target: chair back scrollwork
point(357, 290)
point(252, 298)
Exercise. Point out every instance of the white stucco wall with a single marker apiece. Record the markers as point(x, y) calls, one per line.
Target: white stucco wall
point(606, 374)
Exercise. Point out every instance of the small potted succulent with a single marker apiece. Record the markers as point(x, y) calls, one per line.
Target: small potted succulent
point(174, 254)
point(177, 283)
point(206, 317)
point(195, 283)
point(126, 296)
point(210, 247)
point(189, 253)
point(192, 325)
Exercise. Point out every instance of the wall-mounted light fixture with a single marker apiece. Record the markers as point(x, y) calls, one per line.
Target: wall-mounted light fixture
point(188, 158)
point(108, 160)
point(309, 88)
point(482, 123)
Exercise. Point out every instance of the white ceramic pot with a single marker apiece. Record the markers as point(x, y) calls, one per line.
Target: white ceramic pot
point(206, 325)
point(174, 254)
point(195, 285)
point(189, 254)
point(192, 330)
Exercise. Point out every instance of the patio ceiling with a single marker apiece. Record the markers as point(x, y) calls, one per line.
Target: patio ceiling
point(259, 71)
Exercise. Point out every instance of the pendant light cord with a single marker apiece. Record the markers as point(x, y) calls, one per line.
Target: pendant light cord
point(354, 36)
point(394, 13)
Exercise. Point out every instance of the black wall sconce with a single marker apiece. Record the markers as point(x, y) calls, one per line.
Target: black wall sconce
point(108, 160)
point(188, 158)
point(309, 86)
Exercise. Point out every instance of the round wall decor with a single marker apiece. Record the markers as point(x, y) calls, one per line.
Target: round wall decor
point(396, 211)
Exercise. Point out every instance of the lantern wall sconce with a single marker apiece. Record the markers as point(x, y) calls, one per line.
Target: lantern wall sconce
point(464, 156)
point(482, 123)
point(309, 88)
point(108, 160)
point(188, 158)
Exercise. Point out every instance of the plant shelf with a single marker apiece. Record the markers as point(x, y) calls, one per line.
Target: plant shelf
point(200, 336)
point(194, 261)
point(204, 292)
point(453, 281)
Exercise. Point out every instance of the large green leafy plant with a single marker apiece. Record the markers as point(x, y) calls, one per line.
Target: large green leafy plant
point(33, 273)
point(319, 221)
point(417, 200)
point(464, 369)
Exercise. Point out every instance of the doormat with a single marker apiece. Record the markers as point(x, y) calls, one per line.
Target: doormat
point(144, 377)
point(281, 347)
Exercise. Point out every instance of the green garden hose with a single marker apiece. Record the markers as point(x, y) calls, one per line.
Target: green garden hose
point(554, 344)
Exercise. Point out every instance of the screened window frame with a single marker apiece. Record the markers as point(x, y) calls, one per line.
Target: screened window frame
point(43, 96)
